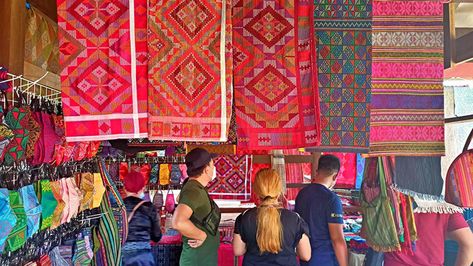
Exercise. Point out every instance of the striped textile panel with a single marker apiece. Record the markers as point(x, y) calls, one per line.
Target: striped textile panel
point(459, 181)
point(407, 93)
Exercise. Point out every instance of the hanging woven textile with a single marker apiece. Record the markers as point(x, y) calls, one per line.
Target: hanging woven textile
point(407, 115)
point(108, 237)
point(233, 178)
point(346, 177)
point(275, 75)
point(103, 57)
point(344, 61)
point(190, 92)
point(419, 176)
point(41, 42)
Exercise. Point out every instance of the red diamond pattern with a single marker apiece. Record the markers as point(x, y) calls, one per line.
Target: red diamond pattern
point(271, 86)
point(192, 16)
point(97, 15)
point(269, 26)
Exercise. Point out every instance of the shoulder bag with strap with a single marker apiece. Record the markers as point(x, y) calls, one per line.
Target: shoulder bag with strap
point(132, 213)
point(212, 220)
point(459, 180)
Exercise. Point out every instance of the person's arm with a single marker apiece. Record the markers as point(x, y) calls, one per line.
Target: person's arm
point(182, 223)
point(335, 227)
point(338, 243)
point(239, 247)
point(464, 238)
point(303, 248)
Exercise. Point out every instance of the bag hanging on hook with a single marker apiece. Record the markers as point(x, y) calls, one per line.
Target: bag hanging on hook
point(170, 201)
point(158, 199)
point(459, 180)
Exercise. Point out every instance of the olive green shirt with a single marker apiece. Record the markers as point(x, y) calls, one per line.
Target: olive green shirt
point(194, 195)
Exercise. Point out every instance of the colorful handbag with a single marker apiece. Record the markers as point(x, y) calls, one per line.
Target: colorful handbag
point(176, 174)
point(158, 199)
point(170, 201)
point(459, 180)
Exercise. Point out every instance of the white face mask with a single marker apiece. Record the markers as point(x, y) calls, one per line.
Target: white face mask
point(214, 174)
point(141, 195)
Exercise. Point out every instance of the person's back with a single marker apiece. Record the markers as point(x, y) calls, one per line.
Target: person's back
point(143, 223)
point(269, 234)
point(144, 226)
point(322, 209)
point(432, 231)
point(293, 228)
point(319, 206)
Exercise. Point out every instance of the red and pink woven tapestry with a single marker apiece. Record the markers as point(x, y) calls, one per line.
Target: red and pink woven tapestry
point(190, 93)
point(276, 98)
point(233, 179)
point(103, 59)
point(407, 115)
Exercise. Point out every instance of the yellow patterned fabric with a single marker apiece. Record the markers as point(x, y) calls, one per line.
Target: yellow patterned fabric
point(87, 190)
point(41, 41)
point(99, 190)
point(57, 192)
point(164, 174)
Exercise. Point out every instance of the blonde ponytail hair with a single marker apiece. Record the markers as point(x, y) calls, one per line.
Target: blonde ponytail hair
point(268, 188)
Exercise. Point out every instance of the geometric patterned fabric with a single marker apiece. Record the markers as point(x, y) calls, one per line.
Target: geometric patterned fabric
point(407, 115)
point(41, 41)
point(17, 236)
point(233, 180)
point(343, 30)
point(103, 59)
point(7, 217)
point(190, 93)
point(275, 90)
point(347, 174)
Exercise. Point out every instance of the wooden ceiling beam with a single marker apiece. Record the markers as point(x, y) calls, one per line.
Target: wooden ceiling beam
point(464, 48)
point(48, 7)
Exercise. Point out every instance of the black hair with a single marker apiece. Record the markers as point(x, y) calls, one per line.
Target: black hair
point(328, 165)
point(198, 171)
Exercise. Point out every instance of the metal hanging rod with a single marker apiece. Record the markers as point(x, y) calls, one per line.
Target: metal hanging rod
point(33, 88)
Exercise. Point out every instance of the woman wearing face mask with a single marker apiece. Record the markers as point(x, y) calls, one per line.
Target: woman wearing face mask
point(143, 223)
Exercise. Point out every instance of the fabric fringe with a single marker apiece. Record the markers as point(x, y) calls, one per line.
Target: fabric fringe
point(442, 207)
point(417, 195)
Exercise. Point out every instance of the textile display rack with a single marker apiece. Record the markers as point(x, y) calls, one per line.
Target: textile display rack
point(32, 88)
point(147, 160)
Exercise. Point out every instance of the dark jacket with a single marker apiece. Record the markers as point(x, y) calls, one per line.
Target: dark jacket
point(145, 224)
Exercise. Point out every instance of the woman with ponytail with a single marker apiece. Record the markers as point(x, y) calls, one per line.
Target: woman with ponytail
point(270, 234)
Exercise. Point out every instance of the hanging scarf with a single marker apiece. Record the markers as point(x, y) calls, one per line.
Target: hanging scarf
point(57, 214)
point(378, 226)
point(164, 174)
point(119, 209)
point(16, 119)
point(419, 176)
point(87, 190)
point(7, 217)
point(409, 227)
point(48, 204)
point(107, 245)
point(32, 209)
point(75, 197)
point(17, 236)
point(99, 190)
